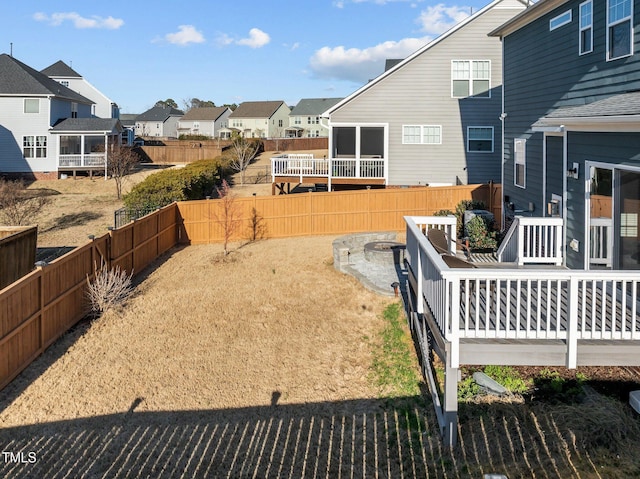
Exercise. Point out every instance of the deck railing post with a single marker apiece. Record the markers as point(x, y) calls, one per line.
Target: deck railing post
point(572, 323)
point(521, 249)
point(453, 319)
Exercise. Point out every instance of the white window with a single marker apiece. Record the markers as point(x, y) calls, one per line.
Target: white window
point(32, 105)
point(480, 139)
point(64, 83)
point(34, 146)
point(297, 120)
point(74, 110)
point(421, 134)
point(196, 125)
point(470, 78)
point(586, 27)
point(520, 162)
point(619, 28)
point(560, 20)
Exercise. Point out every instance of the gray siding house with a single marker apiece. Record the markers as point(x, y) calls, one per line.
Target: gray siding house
point(158, 122)
point(206, 121)
point(572, 125)
point(304, 119)
point(432, 118)
point(46, 127)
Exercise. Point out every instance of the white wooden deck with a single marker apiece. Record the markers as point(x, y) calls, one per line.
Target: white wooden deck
point(530, 312)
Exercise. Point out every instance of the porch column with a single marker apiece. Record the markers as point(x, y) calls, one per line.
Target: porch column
point(106, 155)
point(450, 410)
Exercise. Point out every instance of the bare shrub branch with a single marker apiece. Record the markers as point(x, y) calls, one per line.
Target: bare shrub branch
point(243, 152)
point(109, 289)
point(229, 216)
point(17, 208)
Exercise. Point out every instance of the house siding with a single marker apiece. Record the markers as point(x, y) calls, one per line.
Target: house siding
point(14, 125)
point(544, 71)
point(419, 93)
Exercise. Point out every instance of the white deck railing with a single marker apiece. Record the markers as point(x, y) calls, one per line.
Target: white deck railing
point(533, 240)
point(304, 165)
point(531, 304)
point(601, 244)
point(92, 160)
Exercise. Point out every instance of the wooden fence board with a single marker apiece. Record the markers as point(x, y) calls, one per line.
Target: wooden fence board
point(41, 306)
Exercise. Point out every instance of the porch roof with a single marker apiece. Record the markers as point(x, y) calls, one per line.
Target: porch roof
point(623, 108)
point(102, 126)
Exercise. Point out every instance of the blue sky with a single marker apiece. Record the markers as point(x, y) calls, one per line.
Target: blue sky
point(138, 52)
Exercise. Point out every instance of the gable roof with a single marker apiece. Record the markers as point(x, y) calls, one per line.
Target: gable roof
point(60, 69)
point(313, 106)
point(533, 12)
point(128, 119)
point(416, 54)
point(159, 113)
point(256, 109)
point(205, 113)
point(17, 78)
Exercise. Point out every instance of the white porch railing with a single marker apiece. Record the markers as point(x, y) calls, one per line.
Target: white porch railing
point(530, 304)
point(601, 244)
point(92, 160)
point(533, 240)
point(306, 165)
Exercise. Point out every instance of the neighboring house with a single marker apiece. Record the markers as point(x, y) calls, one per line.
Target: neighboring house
point(304, 119)
point(128, 121)
point(204, 121)
point(260, 119)
point(432, 118)
point(159, 121)
point(102, 107)
point(34, 138)
point(572, 142)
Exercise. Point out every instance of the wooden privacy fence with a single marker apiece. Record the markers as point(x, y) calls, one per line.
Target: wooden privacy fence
point(17, 252)
point(40, 307)
point(325, 213)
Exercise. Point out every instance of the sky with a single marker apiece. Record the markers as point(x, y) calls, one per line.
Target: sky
point(139, 52)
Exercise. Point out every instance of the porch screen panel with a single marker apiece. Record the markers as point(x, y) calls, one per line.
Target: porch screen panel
point(372, 142)
point(344, 142)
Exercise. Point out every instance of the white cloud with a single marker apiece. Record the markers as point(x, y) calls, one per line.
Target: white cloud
point(185, 35)
point(360, 65)
point(439, 18)
point(56, 19)
point(257, 39)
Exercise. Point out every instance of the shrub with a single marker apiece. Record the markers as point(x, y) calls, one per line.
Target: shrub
point(481, 234)
point(443, 213)
point(195, 181)
point(463, 206)
point(109, 289)
point(17, 208)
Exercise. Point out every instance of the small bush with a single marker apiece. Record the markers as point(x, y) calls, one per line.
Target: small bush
point(481, 234)
point(463, 206)
point(443, 213)
point(195, 181)
point(109, 289)
point(509, 378)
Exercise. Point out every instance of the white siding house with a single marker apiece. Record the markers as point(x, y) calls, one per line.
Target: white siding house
point(204, 121)
point(158, 122)
point(103, 106)
point(260, 119)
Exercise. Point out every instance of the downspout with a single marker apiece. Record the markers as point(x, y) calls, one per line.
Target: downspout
point(565, 161)
point(503, 116)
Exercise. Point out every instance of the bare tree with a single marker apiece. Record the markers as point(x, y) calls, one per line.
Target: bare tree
point(228, 216)
point(17, 207)
point(243, 152)
point(121, 161)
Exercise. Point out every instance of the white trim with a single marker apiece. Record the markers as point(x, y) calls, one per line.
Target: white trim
point(493, 139)
point(422, 128)
point(582, 28)
point(470, 79)
point(562, 21)
point(619, 21)
point(523, 142)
